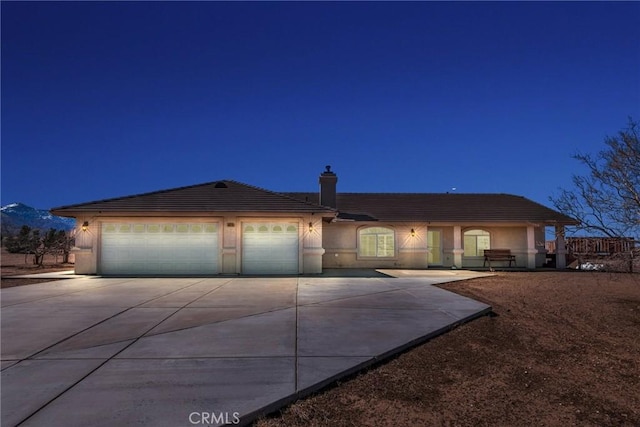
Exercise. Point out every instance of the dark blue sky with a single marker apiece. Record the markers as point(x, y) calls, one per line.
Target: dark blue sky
point(108, 99)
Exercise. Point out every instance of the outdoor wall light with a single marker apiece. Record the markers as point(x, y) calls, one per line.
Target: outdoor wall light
point(85, 225)
point(310, 227)
point(413, 233)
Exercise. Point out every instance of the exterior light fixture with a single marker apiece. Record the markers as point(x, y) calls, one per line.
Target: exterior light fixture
point(85, 225)
point(310, 227)
point(413, 233)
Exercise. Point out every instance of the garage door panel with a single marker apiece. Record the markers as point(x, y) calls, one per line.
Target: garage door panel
point(138, 248)
point(270, 248)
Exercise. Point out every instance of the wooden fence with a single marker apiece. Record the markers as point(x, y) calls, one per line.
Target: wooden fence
point(594, 245)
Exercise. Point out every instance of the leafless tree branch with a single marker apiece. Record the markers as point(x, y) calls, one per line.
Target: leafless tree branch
point(606, 201)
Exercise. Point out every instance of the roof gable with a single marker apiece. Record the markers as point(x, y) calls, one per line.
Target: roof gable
point(220, 196)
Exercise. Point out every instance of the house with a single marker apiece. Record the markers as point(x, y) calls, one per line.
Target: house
point(227, 227)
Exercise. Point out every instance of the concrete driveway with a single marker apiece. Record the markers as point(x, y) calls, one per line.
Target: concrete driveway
point(204, 351)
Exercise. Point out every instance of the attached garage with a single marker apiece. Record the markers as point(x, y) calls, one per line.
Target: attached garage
point(159, 248)
point(270, 248)
point(220, 227)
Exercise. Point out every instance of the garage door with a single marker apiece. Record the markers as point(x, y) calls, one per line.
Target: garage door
point(270, 248)
point(139, 248)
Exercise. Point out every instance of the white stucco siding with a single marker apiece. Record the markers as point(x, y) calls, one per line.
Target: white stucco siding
point(85, 249)
point(341, 246)
point(90, 247)
point(340, 242)
point(513, 238)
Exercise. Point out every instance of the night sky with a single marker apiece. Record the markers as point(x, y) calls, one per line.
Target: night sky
point(106, 99)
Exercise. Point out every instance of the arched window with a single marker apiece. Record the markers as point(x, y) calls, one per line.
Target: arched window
point(475, 242)
point(377, 242)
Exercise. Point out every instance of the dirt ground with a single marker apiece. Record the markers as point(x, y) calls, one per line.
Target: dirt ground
point(15, 265)
point(562, 350)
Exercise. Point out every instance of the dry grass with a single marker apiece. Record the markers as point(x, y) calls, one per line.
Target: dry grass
point(17, 264)
point(563, 350)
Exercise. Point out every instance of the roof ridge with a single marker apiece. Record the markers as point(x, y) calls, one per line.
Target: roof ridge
point(283, 195)
point(411, 193)
point(148, 193)
point(187, 187)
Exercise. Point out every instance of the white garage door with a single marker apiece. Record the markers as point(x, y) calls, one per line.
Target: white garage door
point(140, 248)
point(270, 248)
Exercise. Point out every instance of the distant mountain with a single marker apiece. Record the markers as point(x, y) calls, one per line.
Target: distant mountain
point(15, 215)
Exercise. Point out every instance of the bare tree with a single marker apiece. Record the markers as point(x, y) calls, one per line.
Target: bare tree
point(62, 244)
point(607, 200)
point(32, 242)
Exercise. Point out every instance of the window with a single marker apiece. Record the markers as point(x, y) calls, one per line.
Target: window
point(376, 242)
point(475, 242)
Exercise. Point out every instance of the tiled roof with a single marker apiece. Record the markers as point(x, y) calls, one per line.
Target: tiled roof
point(233, 196)
point(444, 207)
point(220, 196)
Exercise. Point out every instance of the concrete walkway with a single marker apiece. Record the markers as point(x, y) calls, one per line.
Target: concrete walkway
point(204, 351)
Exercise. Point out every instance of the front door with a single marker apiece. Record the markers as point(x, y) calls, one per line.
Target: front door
point(434, 244)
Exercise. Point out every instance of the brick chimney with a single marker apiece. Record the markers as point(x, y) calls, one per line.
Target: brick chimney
point(328, 182)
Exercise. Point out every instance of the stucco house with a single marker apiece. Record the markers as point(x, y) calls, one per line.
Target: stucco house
point(227, 227)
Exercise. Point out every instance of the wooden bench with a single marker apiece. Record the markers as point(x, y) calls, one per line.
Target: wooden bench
point(498, 255)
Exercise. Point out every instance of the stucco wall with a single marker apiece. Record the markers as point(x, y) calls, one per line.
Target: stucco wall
point(513, 238)
point(328, 245)
point(341, 245)
point(87, 249)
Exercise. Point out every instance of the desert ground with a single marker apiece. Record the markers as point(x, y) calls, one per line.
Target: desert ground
point(18, 264)
point(560, 348)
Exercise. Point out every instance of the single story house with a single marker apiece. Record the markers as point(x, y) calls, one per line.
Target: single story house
point(227, 227)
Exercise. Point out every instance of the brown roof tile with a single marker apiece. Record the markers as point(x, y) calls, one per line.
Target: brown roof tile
point(221, 196)
point(233, 196)
point(449, 207)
